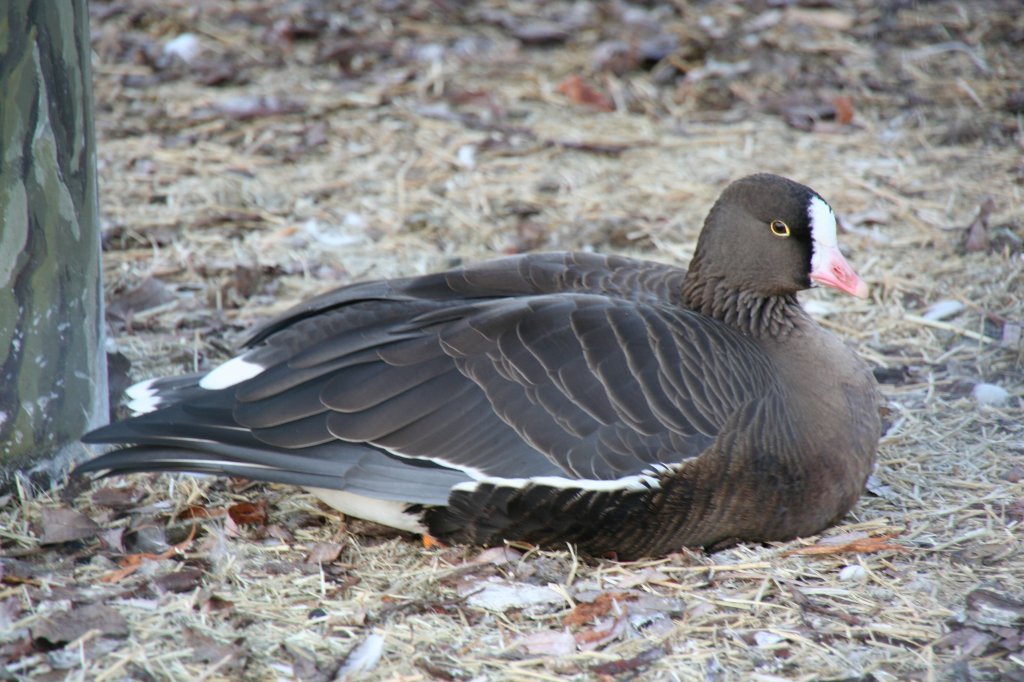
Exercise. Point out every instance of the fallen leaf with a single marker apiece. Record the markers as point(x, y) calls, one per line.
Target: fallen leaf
point(614, 56)
point(495, 594)
point(843, 105)
point(323, 553)
point(497, 556)
point(605, 603)
point(602, 633)
point(249, 513)
point(547, 643)
point(61, 524)
point(864, 545)
point(134, 562)
point(985, 607)
point(186, 579)
point(975, 237)
point(147, 295)
point(67, 626)
point(228, 658)
point(630, 665)
point(579, 92)
point(121, 497)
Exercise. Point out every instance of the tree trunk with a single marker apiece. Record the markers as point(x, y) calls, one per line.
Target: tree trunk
point(52, 365)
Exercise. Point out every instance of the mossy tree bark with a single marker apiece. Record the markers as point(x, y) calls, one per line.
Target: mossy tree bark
point(52, 366)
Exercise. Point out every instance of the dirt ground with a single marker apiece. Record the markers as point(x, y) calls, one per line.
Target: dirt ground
point(255, 153)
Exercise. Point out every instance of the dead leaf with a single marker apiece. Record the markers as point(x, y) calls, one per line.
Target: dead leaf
point(547, 643)
point(198, 511)
point(133, 562)
point(579, 92)
point(147, 295)
point(602, 633)
point(985, 607)
point(614, 56)
point(323, 553)
point(67, 626)
point(61, 524)
point(229, 658)
point(604, 604)
point(975, 237)
point(186, 579)
point(864, 545)
point(249, 513)
point(843, 104)
point(630, 665)
point(120, 498)
point(113, 539)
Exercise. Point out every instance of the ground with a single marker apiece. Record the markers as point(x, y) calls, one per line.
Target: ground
point(255, 153)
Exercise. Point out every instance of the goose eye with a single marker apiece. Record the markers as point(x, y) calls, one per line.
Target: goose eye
point(779, 228)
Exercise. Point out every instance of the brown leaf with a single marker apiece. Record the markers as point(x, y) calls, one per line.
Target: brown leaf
point(229, 658)
point(323, 553)
point(547, 643)
point(843, 105)
point(249, 513)
point(149, 294)
point(60, 524)
point(184, 580)
point(198, 511)
point(866, 545)
point(67, 626)
point(985, 607)
point(975, 237)
point(121, 497)
point(629, 665)
point(614, 56)
point(588, 612)
point(133, 562)
point(579, 92)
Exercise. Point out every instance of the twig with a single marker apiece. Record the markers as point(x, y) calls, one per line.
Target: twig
point(937, 324)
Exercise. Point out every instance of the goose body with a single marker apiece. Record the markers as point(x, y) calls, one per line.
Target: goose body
point(626, 406)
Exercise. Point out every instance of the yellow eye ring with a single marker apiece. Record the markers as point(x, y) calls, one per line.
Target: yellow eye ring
point(779, 228)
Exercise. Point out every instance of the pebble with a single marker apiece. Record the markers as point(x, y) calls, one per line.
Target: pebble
point(940, 310)
point(990, 395)
point(185, 47)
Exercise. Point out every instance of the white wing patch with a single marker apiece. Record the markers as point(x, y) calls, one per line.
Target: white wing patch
point(823, 231)
point(142, 397)
point(232, 372)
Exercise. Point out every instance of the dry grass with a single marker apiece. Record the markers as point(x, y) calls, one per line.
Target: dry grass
point(405, 167)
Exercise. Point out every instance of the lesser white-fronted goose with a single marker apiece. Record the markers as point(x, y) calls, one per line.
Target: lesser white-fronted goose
point(626, 406)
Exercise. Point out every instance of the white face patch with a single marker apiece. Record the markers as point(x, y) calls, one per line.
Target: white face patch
point(232, 372)
point(823, 232)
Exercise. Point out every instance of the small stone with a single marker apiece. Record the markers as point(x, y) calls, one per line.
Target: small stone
point(990, 395)
point(941, 310)
point(185, 47)
point(853, 573)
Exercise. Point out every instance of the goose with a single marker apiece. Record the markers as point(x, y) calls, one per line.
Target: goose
point(628, 407)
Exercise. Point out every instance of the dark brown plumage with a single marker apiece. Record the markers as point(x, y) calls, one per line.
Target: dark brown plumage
point(622, 405)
